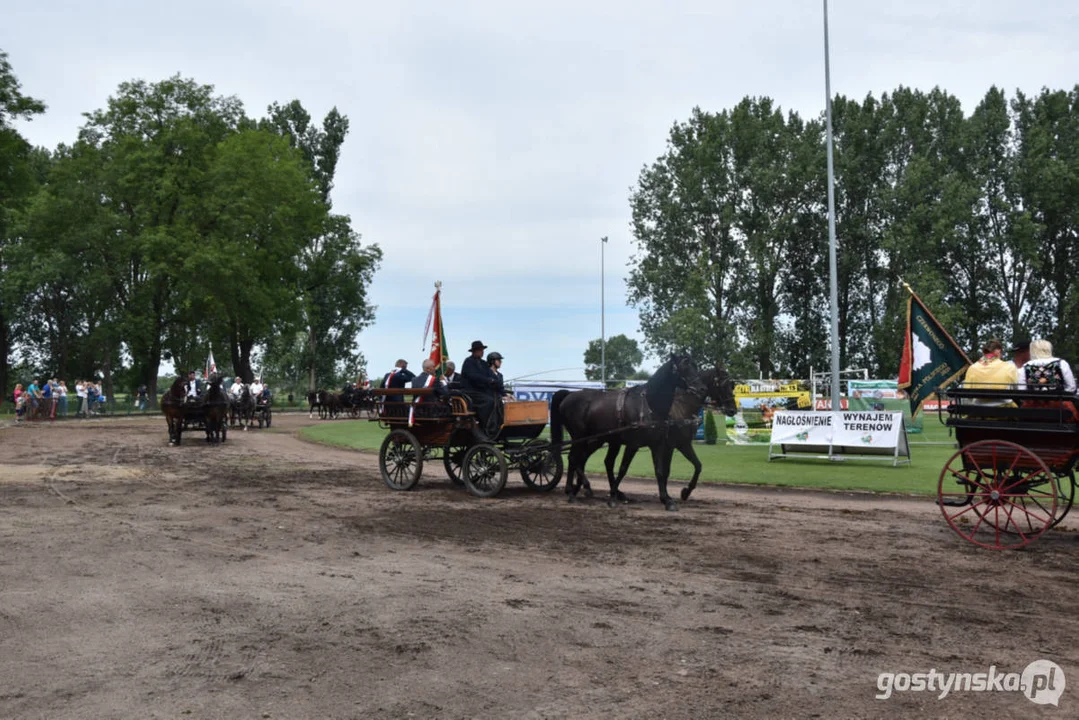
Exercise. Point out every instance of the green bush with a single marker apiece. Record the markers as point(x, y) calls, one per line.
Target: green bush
point(710, 432)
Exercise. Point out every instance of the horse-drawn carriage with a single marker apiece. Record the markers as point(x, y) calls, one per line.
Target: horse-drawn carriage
point(263, 412)
point(445, 428)
point(1013, 477)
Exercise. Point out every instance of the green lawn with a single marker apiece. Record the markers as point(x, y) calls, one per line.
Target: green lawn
point(736, 463)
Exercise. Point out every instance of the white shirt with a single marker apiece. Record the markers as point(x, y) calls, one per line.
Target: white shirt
point(256, 388)
point(192, 388)
point(59, 391)
point(1065, 370)
point(237, 389)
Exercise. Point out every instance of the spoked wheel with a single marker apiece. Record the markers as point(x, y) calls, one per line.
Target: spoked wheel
point(998, 494)
point(453, 457)
point(1065, 495)
point(484, 469)
point(541, 466)
point(400, 460)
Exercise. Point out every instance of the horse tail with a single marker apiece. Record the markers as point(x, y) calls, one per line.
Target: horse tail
point(556, 417)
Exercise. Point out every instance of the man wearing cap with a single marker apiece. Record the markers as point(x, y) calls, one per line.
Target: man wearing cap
point(480, 383)
point(1021, 352)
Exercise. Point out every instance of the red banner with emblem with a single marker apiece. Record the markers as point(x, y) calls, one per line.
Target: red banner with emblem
point(438, 353)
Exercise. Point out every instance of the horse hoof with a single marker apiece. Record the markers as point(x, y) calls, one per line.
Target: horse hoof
point(612, 502)
point(588, 492)
point(571, 498)
point(671, 505)
point(622, 497)
point(685, 494)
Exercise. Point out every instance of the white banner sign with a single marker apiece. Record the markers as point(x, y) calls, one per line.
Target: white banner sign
point(840, 433)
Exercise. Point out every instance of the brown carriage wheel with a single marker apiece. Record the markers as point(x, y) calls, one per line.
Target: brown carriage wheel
point(1009, 496)
point(541, 467)
point(453, 458)
point(400, 460)
point(485, 470)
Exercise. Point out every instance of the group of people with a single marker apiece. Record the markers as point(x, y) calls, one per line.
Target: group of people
point(194, 387)
point(43, 401)
point(1033, 367)
point(480, 380)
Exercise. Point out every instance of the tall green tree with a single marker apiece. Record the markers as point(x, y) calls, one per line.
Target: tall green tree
point(623, 357)
point(157, 143)
point(16, 185)
point(335, 268)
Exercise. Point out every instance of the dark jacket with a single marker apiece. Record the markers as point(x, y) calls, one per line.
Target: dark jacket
point(438, 386)
point(477, 376)
point(400, 379)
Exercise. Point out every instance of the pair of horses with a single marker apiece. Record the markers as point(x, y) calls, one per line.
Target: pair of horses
point(660, 415)
point(242, 408)
point(212, 407)
point(350, 400)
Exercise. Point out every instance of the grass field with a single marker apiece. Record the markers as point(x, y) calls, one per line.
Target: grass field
point(737, 463)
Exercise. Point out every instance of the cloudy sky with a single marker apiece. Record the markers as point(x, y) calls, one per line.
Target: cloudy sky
point(494, 143)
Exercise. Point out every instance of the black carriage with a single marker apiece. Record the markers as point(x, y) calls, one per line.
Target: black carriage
point(1013, 477)
point(264, 412)
point(444, 428)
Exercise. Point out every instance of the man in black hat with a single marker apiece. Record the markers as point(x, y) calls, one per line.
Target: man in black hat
point(479, 382)
point(1021, 352)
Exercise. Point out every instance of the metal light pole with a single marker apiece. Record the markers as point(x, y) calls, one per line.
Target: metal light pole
point(602, 315)
point(833, 284)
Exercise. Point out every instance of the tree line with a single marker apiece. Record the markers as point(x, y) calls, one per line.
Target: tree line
point(978, 212)
point(174, 223)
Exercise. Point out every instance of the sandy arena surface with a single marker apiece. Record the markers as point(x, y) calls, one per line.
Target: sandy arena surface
point(273, 578)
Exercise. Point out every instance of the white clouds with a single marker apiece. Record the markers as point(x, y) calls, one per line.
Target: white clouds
point(493, 143)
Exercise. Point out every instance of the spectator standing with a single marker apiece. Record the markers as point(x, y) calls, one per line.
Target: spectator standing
point(142, 397)
point(61, 397)
point(81, 395)
point(48, 407)
point(33, 401)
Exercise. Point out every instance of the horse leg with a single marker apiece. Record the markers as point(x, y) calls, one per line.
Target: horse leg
point(661, 463)
point(572, 474)
point(627, 458)
point(686, 448)
point(608, 462)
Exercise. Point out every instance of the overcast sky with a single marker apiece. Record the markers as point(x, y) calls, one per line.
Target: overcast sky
point(494, 143)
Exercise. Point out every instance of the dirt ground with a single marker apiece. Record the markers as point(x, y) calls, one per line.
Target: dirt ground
point(272, 578)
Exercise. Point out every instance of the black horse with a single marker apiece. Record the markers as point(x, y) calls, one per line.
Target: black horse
point(638, 415)
point(715, 384)
point(312, 403)
point(242, 408)
point(174, 408)
point(215, 411)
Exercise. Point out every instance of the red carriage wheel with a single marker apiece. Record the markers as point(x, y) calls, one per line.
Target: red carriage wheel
point(998, 494)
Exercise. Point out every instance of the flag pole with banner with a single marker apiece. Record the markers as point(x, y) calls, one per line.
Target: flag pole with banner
point(211, 367)
point(931, 358)
point(439, 355)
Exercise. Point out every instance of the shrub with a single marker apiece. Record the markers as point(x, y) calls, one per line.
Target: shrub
point(710, 432)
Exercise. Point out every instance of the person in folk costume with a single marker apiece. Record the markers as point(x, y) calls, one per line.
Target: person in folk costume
point(480, 384)
point(1048, 373)
point(991, 372)
point(398, 378)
